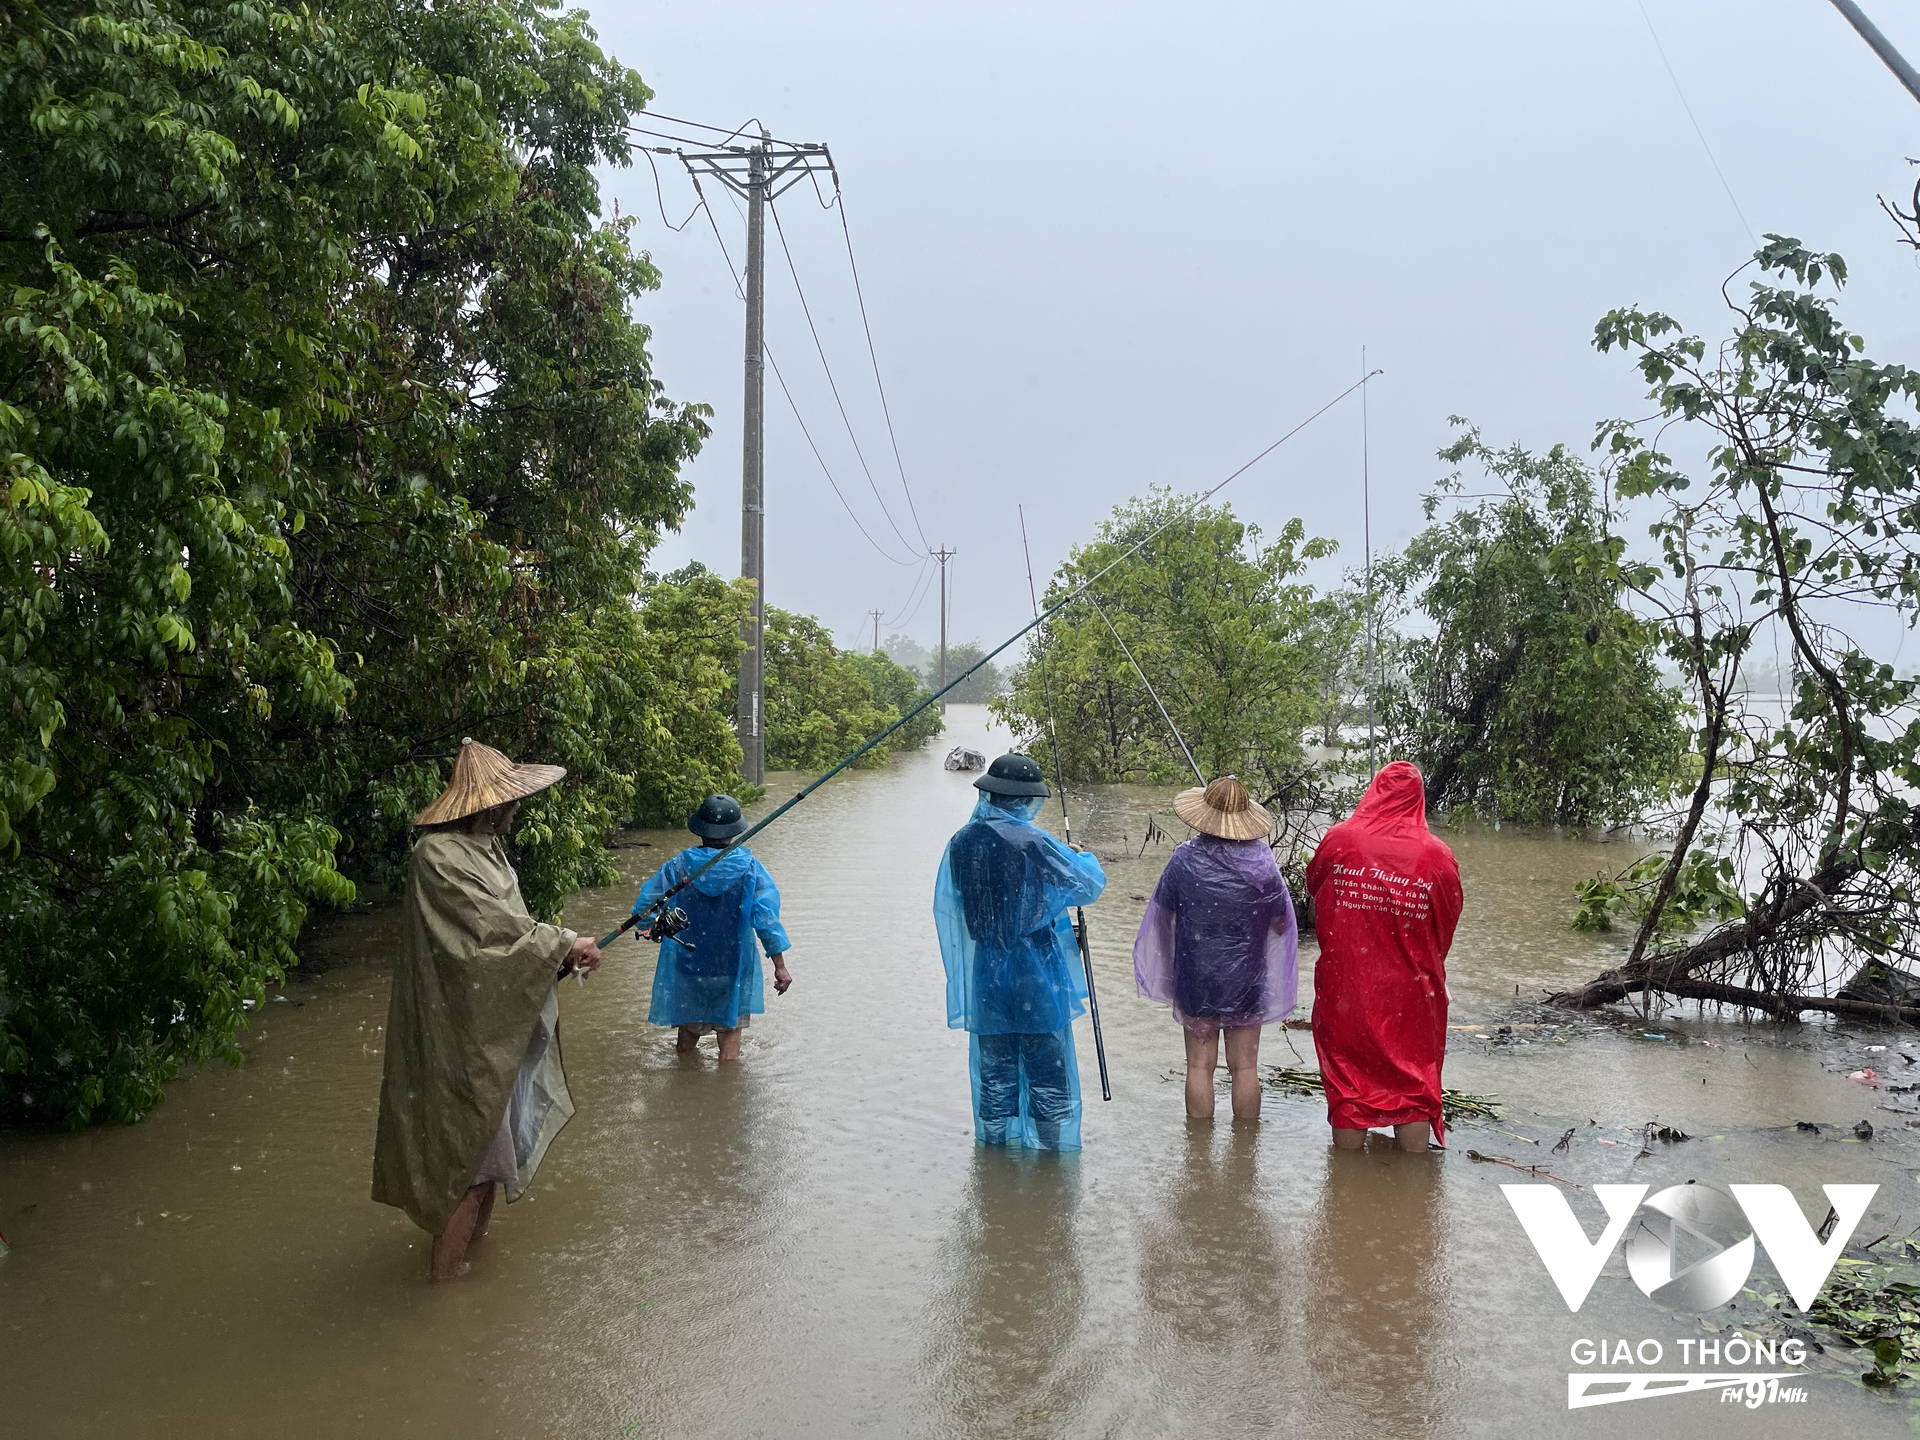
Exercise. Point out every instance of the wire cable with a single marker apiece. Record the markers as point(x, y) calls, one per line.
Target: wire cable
point(873, 356)
point(660, 198)
point(773, 365)
point(807, 310)
point(926, 589)
point(1696, 123)
point(1179, 739)
point(914, 589)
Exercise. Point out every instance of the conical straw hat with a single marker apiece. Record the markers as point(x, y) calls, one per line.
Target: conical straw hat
point(1225, 809)
point(484, 778)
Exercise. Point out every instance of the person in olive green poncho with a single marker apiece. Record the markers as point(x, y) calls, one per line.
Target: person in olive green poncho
point(473, 1092)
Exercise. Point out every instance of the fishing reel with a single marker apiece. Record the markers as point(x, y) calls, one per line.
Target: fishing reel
point(666, 925)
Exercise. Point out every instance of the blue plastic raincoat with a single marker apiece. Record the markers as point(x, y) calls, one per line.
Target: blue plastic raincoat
point(708, 974)
point(1014, 979)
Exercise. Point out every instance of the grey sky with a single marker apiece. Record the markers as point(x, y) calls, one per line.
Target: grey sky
point(1107, 246)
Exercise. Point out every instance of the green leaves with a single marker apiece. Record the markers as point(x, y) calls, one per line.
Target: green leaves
point(1220, 623)
point(330, 437)
point(821, 704)
point(1537, 698)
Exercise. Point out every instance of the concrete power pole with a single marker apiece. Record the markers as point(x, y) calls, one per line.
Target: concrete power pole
point(876, 628)
point(757, 174)
point(943, 555)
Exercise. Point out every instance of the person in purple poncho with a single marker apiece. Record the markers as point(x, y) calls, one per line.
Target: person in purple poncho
point(1218, 942)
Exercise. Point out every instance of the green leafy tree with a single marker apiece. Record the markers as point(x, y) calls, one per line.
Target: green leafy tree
point(979, 687)
point(1218, 619)
point(821, 704)
point(1804, 518)
point(329, 437)
point(896, 688)
point(1538, 696)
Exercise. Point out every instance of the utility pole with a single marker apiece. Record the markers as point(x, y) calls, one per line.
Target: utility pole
point(943, 555)
point(876, 628)
point(757, 174)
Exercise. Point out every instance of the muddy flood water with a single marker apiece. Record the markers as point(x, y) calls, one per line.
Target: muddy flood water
point(810, 1243)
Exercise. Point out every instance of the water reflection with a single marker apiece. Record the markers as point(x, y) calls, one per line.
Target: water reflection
point(1373, 1305)
point(1006, 1312)
point(1215, 1284)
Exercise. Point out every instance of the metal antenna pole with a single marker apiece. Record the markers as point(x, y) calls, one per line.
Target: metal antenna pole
point(1066, 824)
point(1883, 47)
point(943, 555)
point(1366, 532)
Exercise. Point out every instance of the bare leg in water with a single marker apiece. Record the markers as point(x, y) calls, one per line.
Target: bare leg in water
point(485, 1218)
point(729, 1043)
point(1203, 1054)
point(1412, 1137)
point(687, 1041)
point(1243, 1060)
point(449, 1249)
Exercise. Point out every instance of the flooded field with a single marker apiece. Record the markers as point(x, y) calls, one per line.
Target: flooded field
point(810, 1243)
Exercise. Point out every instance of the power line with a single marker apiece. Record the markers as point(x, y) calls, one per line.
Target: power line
point(660, 199)
point(737, 130)
point(838, 201)
point(782, 381)
point(923, 588)
point(1696, 123)
point(878, 384)
point(807, 311)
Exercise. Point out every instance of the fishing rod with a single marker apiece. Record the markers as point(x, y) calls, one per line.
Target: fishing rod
point(670, 924)
point(1066, 821)
point(1177, 739)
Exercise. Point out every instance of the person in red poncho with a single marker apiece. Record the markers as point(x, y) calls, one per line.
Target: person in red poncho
point(1386, 897)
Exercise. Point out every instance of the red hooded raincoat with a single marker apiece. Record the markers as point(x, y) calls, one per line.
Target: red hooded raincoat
point(1386, 899)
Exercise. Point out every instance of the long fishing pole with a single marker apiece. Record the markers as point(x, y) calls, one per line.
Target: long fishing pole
point(1175, 729)
point(659, 906)
point(1066, 822)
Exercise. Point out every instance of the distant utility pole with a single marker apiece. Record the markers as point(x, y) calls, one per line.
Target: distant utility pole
point(1883, 47)
point(943, 555)
point(756, 173)
point(876, 627)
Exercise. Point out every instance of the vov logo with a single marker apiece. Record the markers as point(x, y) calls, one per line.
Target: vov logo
point(1691, 1247)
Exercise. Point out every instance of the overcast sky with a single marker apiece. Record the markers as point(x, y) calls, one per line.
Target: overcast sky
point(1108, 246)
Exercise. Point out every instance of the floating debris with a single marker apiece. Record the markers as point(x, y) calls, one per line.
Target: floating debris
point(1806, 1125)
point(962, 757)
point(1541, 1170)
point(1875, 1306)
point(1455, 1105)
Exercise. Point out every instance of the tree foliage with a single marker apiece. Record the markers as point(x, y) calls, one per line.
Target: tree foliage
point(1219, 621)
point(1804, 521)
point(978, 688)
point(1537, 697)
point(329, 437)
point(822, 704)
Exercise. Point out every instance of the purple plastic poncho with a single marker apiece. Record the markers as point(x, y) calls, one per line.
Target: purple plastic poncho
point(1218, 942)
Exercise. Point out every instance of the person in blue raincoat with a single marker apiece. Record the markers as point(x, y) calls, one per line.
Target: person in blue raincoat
point(707, 980)
point(1014, 980)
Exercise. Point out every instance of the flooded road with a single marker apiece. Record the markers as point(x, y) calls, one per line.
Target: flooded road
point(810, 1243)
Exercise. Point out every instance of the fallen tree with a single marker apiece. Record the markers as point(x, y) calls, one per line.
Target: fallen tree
point(1803, 805)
